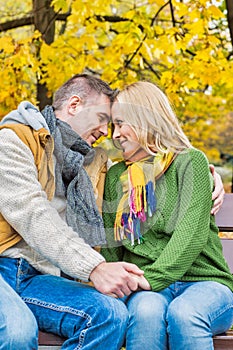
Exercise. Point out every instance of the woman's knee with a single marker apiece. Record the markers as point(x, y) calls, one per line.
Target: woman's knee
point(181, 315)
point(179, 309)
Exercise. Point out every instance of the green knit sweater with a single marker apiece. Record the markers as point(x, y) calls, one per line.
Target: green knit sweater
point(181, 240)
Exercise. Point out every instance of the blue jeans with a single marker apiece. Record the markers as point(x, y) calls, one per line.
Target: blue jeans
point(183, 316)
point(88, 319)
point(18, 327)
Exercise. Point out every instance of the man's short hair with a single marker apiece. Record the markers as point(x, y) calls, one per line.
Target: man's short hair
point(82, 85)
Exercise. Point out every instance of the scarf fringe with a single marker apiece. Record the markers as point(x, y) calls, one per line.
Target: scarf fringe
point(142, 204)
point(139, 200)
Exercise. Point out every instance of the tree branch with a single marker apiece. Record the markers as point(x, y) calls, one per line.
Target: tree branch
point(157, 13)
point(172, 13)
point(112, 19)
point(157, 73)
point(135, 52)
point(25, 21)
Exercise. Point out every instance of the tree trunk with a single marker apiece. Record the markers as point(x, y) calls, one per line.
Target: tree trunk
point(229, 6)
point(44, 21)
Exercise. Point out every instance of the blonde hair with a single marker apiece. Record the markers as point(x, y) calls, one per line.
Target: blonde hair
point(148, 111)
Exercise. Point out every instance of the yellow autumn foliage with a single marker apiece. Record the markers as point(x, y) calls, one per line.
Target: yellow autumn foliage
point(184, 46)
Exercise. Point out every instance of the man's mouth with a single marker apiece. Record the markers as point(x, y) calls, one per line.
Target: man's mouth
point(93, 138)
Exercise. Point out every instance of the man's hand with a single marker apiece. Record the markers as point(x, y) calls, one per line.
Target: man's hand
point(218, 193)
point(118, 278)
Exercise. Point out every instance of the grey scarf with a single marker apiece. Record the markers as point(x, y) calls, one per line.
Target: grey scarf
point(72, 180)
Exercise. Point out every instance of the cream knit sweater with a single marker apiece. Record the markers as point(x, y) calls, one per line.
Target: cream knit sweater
point(48, 244)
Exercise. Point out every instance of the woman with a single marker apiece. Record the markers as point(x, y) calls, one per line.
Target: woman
point(157, 214)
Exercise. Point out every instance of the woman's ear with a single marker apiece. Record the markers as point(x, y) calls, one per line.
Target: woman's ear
point(74, 104)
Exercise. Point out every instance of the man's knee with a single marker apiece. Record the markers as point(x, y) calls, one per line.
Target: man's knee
point(116, 310)
point(20, 333)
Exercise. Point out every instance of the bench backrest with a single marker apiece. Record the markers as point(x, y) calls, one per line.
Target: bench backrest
point(224, 220)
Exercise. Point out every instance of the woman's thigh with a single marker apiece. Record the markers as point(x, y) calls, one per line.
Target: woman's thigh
point(202, 310)
point(209, 301)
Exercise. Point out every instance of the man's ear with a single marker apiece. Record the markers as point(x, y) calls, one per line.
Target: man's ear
point(73, 104)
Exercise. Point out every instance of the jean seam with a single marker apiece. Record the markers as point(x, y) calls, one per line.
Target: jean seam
point(64, 309)
point(219, 314)
point(19, 272)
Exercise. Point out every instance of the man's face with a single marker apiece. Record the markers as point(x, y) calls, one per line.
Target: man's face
point(91, 118)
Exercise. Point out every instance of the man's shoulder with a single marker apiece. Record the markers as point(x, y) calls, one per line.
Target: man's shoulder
point(98, 161)
point(15, 127)
point(101, 154)
point(14, 132)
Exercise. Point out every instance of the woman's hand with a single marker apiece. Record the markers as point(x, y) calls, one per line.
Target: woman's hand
point(218, 193)
point(143, 284)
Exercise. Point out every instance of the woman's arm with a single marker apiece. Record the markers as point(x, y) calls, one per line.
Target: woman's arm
point(190, 226)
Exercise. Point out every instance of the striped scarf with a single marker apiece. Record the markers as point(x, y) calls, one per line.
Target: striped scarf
point(139, 200)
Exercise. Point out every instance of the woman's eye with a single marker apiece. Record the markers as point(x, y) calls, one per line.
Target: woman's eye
point(119, 122)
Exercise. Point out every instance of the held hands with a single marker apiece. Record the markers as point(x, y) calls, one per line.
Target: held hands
point(143, 284)
point(218, 193)
point(118, 279)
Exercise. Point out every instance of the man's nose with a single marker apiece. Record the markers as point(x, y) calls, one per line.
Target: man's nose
point(104, 129)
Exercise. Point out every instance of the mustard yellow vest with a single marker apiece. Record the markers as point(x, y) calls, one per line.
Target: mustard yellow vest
point(41, 145)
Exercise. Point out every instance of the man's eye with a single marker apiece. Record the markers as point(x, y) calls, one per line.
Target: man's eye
point(103, 119)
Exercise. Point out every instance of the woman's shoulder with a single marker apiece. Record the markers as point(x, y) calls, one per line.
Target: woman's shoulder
point(117, 168)
point(114, 172)
point(192, 154)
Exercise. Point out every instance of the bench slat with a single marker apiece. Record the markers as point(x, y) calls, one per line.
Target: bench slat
point(224, 342)
point(224, 217)
point(50, 339)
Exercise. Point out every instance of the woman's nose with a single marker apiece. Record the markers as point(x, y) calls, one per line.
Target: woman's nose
point(116, 133)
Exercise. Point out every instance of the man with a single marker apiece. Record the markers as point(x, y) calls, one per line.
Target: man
point(18, 327)
point(49, 219)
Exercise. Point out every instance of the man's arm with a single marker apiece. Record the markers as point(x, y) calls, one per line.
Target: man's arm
point(26, 208)
point(218, 193)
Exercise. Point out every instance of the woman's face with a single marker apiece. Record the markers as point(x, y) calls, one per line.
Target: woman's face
point(126, 136)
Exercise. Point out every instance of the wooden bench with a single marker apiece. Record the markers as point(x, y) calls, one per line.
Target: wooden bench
point(224, 219)
point(49, 340)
